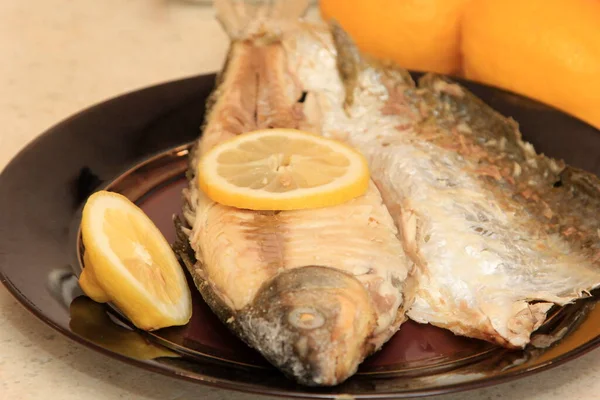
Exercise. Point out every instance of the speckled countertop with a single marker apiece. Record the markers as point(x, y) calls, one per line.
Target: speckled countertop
point(57, 57)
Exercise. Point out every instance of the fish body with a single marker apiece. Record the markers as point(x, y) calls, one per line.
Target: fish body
point(498, 232)
point(315, 291)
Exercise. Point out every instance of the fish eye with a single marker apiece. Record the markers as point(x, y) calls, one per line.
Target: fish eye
point(306, 318)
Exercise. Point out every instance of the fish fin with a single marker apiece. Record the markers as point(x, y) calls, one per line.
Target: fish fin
point(350, 62)
point(186, 256)
point(244, 19)
point(181, 246)
point(582, 181)
point(452, 103)
point(450, 99)
point(582, 189)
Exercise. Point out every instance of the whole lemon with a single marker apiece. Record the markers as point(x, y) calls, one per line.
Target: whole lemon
point(545, 49)
point(417, 34)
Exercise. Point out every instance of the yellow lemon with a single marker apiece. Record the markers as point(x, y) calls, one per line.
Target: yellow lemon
point(282, 169)
point(417, 34)
point(128, 261)
point(547, 50)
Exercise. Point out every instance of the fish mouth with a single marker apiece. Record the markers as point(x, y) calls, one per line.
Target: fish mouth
point(313, 323)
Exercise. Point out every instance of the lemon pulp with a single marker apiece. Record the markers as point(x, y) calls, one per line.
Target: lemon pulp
point(129, 262)
point(282, 169)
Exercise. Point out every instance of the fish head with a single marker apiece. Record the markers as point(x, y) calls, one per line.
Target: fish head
point(313, 323)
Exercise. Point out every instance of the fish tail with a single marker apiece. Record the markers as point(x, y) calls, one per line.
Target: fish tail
point(243, 19)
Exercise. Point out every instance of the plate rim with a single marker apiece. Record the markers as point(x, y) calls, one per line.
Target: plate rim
point(228, 384)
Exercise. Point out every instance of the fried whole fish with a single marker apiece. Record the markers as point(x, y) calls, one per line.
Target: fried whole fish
point(315, 291)
point(498, 232)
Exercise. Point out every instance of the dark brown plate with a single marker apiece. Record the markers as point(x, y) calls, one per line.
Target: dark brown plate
point(137, 144)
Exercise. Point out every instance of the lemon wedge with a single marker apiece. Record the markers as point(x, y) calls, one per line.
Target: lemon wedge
point(128, 261)
point(282, 169)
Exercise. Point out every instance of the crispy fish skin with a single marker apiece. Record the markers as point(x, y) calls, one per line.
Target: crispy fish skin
point(315, 291)
point(498, 232)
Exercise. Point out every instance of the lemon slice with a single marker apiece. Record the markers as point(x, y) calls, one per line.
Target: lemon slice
point(129, 262)
point(282, 169)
